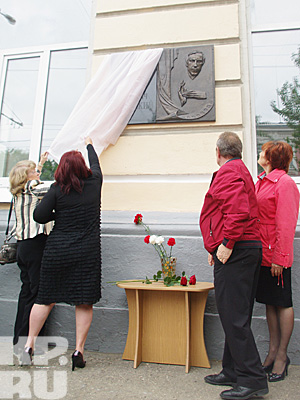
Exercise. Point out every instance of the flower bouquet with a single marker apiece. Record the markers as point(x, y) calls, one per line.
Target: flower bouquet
point(168, 262)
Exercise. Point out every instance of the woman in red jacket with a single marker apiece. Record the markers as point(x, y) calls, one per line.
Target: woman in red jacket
point(278, 204)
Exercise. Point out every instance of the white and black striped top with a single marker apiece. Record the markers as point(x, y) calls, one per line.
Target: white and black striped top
point(24, 205)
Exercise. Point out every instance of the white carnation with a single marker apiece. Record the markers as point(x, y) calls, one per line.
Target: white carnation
point(152, 239)
point(159, 240)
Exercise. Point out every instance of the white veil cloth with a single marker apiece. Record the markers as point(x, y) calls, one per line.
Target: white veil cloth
point(107, 103)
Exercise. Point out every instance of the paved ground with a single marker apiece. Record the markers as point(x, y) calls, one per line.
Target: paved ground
point(108, 377)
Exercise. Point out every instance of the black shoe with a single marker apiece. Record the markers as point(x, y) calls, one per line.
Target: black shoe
point(77, 360)
point(268, 368)
point(219, 379)
point(26, 356)
point(242, 393)
point(273, 377)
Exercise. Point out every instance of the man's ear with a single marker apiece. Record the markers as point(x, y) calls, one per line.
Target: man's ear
point(218, 152)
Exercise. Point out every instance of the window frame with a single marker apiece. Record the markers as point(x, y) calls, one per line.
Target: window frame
point(44, 52)
point(258, 29)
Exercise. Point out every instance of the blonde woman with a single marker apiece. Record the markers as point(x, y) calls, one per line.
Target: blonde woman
point(27, 190)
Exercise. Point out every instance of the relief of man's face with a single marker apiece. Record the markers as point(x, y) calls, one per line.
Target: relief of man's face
point(194, 64)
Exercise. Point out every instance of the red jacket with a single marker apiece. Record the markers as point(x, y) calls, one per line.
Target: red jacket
point(278, 205)
point(229, 214)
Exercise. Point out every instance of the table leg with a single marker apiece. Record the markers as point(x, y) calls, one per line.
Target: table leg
point(130, 348)
point(197, 348)
point(139, 328)
point(188, 331)
point(133, 348)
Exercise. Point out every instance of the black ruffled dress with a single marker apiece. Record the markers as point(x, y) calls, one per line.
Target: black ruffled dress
point(71, 264)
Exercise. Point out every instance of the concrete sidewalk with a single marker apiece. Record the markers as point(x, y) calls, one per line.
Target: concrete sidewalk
point(108, 377)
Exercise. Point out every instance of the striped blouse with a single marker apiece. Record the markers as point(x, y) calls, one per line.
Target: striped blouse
point(24, 205)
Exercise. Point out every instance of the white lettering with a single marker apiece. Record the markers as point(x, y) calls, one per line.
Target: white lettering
point(15, 382)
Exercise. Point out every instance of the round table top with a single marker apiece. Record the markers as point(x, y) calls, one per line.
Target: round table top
point(138, 284)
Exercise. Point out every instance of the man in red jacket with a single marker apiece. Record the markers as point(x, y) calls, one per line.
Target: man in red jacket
point(230, 233)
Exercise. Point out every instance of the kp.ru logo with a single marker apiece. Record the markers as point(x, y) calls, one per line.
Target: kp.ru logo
point(28, 382)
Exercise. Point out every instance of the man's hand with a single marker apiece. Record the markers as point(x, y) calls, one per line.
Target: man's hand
point(210, 260)
point(223, 253)
point(276, 270)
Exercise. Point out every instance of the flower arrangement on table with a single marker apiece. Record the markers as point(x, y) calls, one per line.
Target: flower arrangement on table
point(168, 262)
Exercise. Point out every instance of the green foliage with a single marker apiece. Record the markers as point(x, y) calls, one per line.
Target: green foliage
point(157, 276)
point(48, 170)
point(168, 280)
point(171, 281)
point(290, 98)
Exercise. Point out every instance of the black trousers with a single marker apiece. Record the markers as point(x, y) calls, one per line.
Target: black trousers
point(29, 257)
point(235, 289)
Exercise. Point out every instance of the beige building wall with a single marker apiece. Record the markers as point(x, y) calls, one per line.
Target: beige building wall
point(167, 167)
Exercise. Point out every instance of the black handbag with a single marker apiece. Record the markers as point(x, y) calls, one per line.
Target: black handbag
point(8, 252)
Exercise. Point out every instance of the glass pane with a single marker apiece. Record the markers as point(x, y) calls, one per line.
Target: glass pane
point(67, 80)
point(268, 12)
point(17, 112)
point(273, 66)
point(45, 22)
point(272, 52)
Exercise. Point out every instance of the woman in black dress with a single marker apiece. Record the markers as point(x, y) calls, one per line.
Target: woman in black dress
point(71, 265)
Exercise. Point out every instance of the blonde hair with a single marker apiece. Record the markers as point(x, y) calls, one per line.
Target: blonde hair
point(18, 176)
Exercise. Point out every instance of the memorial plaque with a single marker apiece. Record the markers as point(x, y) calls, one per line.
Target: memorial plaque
point(183, 88)
point(145, 113)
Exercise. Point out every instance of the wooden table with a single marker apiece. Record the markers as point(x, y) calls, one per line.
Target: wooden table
point(166, 323)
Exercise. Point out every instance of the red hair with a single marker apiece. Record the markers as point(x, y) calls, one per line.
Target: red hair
point(279, 154)
point(71, 171)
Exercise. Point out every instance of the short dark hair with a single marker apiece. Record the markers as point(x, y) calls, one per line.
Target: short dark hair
point(230, 145)
point(71, 171)
point(193, 53)
point(279, 154)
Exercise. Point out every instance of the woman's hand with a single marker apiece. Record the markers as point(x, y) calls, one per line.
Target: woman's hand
point(44, 158)
point(276, 270)
point(88, 140)
point(223, 253)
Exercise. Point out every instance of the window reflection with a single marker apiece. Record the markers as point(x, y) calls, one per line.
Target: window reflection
point(273, 66)
point(267, 12)
point(66, 82)
point(45, 23)
point(17, 110)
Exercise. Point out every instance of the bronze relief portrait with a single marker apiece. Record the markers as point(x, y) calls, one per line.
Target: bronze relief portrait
point(182, 88)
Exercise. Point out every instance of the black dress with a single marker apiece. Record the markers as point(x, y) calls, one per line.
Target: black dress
point(71, 264)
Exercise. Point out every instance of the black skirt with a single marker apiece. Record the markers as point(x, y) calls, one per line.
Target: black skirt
point(274, 291)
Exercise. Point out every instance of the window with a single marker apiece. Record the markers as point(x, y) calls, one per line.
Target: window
point(65, 84)
point(16, 123)
point(275, 38)
point(38, 92)
point(42, 75)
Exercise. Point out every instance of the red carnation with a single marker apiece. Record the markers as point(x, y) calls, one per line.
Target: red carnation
point(192, 280)
point(146, 240)
point(183, 281)
point(171, 242)
point(138, 219)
